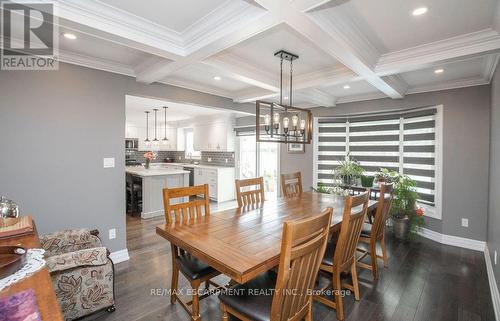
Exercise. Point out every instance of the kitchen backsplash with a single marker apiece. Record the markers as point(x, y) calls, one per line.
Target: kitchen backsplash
point(217, 158)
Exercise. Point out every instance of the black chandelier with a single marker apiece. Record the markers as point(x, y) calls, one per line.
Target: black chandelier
point(283, 123)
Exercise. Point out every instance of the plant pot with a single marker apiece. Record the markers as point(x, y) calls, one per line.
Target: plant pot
point(367, 181)
point(146, 165)
point(401, 226)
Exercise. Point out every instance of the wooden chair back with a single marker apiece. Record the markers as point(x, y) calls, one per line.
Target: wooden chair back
point(183, 212)
point(383, 209)
point(302, 248)
point(291, 184)
point(353, 218)
point(253, 196)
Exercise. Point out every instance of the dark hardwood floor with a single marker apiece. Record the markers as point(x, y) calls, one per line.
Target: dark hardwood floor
point(425, 281)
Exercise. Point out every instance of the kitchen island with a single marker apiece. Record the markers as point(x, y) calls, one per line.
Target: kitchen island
point(154, 180)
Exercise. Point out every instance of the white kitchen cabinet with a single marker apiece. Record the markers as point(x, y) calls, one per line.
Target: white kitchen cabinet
point(131, 131)
point(172, 139)
point(220, 182)
point(215, 137)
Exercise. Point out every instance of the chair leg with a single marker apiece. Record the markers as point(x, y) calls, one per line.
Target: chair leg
point(174, 284)
point(355, 283)
point(337, 288)
point(384, 251)
point(373, 258)
point(309, 315)
point(223, 310)
point(195, 316)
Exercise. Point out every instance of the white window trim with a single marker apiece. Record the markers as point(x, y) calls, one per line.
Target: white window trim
point(430, 211)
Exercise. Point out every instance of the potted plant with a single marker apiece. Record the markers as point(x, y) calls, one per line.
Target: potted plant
point(407, 218)
point(149, 156)
point(367, 181)
point(349, 170)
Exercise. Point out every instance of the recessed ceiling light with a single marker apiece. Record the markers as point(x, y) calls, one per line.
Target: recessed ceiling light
point(347, 87)
point(419, 11)
point(439, 71)
point(217, 78)
point(69, 36)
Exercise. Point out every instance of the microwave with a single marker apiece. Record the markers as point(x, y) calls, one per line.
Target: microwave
point(131, 143)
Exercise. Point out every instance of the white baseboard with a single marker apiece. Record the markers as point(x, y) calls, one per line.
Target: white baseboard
point(453, 240)
point(495, 296)
point(119, 256)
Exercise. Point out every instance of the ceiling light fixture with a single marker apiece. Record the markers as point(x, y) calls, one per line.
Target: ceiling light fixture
point(69, 36)
point(165, 139)
point(439, 71)
point(283, 123)
point(217, 78)
point(347, 87)
point(156, 142)
point(419, 11)
point(147, 142)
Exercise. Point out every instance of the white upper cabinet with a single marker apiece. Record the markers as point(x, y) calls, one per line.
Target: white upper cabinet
point(214, 137)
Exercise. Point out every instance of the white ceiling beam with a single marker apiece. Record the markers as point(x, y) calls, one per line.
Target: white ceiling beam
point(238, 69)
point(316, 5)
point(226, 38)
point(318, 97)
point(332, 42)
point(442, 51)
point(250, 95)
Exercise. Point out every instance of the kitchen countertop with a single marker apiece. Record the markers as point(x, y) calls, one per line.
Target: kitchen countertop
point(141, 171)
point(192, 165)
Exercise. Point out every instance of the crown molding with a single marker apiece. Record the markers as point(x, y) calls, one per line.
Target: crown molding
point(490, 66)
point(461, 83)
point(95, 63)
point(101, 16)
point(427, 55)
point(361, 97)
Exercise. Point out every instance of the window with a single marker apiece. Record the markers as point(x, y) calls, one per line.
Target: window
point(406, 142)
point(190, 153)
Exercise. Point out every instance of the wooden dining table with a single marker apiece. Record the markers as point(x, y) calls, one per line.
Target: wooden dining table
point(243, 243)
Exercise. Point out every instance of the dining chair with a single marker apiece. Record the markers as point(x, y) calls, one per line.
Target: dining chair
point(287, 295)
point(291, 184)
point(194, 270)
point(340, 254)
point(253, 193)
point(371, 234)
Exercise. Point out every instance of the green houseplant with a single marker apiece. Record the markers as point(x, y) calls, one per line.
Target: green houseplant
point(407, 218)
point(349, 170)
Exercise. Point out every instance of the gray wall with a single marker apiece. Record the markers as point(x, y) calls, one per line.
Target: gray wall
point(55, 129)
point(466, 116)
point(494, 199)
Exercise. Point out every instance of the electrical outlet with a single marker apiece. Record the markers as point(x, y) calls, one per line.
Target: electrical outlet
point(465, 222)
point(180, 157)
point(495, 257)
point(226, 160)
point(209, 159)
point(112, 233)
point(108, 162)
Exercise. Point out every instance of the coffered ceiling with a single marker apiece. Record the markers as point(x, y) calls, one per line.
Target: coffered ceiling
point(349, 50)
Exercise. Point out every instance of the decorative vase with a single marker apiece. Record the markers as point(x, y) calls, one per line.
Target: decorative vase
point(146, 165)
point(8, 208)
point(401, 226)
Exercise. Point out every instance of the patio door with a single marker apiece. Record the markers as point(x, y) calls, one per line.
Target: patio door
point(258, 159)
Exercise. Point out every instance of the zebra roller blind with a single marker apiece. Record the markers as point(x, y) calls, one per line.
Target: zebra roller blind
point(404, 142)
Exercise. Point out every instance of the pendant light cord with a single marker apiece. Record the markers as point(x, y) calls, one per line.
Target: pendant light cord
point(291, 76)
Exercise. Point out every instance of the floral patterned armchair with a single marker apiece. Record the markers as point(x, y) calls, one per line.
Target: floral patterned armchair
point(81, 270)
